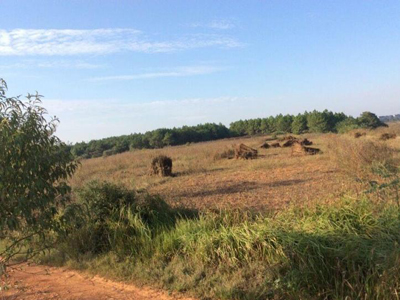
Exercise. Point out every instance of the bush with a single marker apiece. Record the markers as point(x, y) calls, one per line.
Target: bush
point(35, 167)
point(108, 217)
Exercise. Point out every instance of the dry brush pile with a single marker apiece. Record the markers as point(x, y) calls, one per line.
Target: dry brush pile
point(161, 166)
point(298, 146)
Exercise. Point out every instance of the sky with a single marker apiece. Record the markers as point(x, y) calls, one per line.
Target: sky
point(108, 68)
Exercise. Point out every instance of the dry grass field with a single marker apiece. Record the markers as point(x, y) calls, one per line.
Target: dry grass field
point(274, 180)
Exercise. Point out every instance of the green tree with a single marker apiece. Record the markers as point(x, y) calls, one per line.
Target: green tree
point(284, 123)
point(299, 124)
point(318, 122)
point(168, 139)
point(35, 166)
point(369, 120)
point(346, 125)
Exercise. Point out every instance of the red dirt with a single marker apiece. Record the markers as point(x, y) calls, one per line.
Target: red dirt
point(35, 282)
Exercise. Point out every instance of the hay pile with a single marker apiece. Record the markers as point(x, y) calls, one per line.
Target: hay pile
point(287, 141)
point(298, 149)
point(387, 136)
point(161, 166)
point(305, 142)
point(245, 152)
point(290, 143)
point(298, 145)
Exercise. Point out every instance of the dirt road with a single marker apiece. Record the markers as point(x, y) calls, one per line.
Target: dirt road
point(33, 282)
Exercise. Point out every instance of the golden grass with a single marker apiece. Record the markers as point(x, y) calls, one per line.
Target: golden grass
point(275, 179)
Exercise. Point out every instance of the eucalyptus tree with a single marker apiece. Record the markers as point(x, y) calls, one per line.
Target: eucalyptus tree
point(34, 167)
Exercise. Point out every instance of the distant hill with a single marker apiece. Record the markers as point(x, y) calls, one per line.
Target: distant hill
point(390, 118)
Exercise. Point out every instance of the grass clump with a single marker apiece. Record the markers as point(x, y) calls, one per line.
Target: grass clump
point(358, 158)
point(350, 249)
point(227, 153)
point(106, 217)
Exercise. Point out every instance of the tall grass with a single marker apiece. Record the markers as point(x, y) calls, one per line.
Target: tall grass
point(350, 249)
point(359, 157)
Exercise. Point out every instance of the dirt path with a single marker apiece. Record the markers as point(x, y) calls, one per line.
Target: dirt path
point(34, 282)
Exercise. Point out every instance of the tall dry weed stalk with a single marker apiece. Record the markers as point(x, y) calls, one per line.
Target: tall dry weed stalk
point(358, 158)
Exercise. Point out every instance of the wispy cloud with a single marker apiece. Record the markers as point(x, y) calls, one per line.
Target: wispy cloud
point(94, 106)
point(215, 24)
point(58, 64)
point(99, 41)
point(176, 72)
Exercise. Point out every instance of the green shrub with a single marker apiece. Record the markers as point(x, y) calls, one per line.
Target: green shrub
point(108, 217)
point(347, 125)
point(348, 250)
point(34, 168)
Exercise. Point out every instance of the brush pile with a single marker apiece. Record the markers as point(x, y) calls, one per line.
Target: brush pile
point(297, 145)
point(305, 142)
point(298, 150)
point(287, 141)
point(245, 152)
point(161, 166)
point(387, 136)
point(265, 145)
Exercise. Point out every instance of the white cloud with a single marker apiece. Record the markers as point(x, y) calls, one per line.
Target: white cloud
point(58, 64)
point(98, 41)
point(215, 24)
point(67, 65)
point(176, 72)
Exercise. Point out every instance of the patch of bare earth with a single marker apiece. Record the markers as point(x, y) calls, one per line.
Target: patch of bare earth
point(35, 282)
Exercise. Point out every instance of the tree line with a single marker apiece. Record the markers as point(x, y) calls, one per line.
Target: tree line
point(315, 122)
point(154, 139)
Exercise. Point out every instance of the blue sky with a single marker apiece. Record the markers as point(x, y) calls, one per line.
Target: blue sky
point(116, 67)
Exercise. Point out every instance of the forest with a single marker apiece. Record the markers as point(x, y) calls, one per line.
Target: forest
point(313, 122)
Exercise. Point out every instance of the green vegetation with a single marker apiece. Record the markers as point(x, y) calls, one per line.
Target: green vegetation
point(314, 121)
point(350, 249)
point(35, 165)
point(151, 140)
point(369, 120)
point(317, 122)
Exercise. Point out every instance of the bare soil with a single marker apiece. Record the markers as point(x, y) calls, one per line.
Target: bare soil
point(36, 282)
